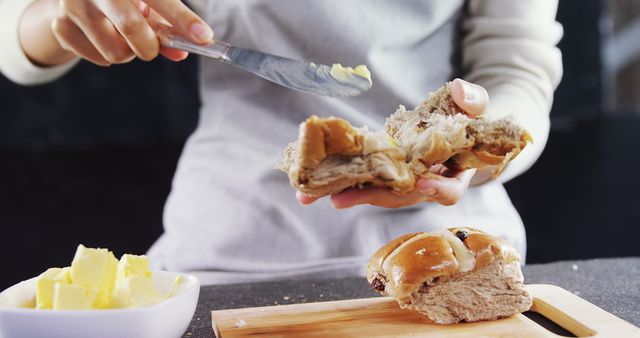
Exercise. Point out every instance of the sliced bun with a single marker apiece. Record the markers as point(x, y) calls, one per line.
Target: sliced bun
point(454, 275)
point(331, 155)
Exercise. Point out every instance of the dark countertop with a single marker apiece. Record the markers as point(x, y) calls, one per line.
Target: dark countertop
point(612, 284)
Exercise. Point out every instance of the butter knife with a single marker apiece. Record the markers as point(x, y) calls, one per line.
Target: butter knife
point(303, 76)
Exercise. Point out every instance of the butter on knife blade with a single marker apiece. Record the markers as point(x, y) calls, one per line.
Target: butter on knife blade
point(345, 74)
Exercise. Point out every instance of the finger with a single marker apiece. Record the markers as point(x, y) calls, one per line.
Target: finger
point(99, 30)
point(71, 38)
point(142, 6)
point(304, 199)
point(183, 20)
point(173, 54)
point(154, 19)
point(132, 26)
point(441, 170)
point(446, 190)
point(375, 196)
point(473, 99)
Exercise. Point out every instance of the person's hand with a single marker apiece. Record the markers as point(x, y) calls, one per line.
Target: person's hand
point(109, 32)
point(445, 187)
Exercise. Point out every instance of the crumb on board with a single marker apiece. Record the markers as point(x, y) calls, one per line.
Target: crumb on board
point(574, 267)
point(286, 297)
point(240, 323)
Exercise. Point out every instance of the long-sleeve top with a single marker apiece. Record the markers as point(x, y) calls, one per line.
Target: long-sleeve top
point(231, 217)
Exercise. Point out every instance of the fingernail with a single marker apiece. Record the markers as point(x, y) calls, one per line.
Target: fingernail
point(201, 32)
point(430, 191)
point(425, 189)
point(143, 8)
point(469, 92)
point(337, 205)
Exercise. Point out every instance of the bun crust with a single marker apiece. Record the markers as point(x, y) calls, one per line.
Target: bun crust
point(320, 138)
point(331, 155)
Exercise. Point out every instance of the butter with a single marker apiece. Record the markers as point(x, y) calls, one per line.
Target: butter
point(362, 71)
point(344, 74)
point(136, 291)
point(74, 297)
point(132, 265)
point(392, 141)
point(97, 280)
point(45, 286)
point(95, 268)
point(134, 283)
point(377, 141)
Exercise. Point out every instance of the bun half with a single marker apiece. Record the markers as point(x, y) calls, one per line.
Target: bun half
point(453, 275)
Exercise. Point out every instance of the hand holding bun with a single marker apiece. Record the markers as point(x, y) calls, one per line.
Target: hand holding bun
point(454, 275)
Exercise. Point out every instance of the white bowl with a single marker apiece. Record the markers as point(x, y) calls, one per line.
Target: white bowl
point(169, 318)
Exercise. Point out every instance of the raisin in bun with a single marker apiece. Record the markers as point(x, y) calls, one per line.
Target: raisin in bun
point(454, 275)
point(331, 155)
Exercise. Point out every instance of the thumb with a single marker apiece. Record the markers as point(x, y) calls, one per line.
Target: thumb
point(473, 99)
point(304, 199)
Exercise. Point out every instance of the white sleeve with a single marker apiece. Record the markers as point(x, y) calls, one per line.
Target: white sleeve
point(509, 47)
point(14, 64)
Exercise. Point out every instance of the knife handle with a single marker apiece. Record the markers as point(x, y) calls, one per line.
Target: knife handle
point(214, 49)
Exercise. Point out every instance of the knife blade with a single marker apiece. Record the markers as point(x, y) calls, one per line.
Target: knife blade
point(303, 76)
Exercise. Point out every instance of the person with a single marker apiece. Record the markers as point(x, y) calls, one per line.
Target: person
point(230, 216)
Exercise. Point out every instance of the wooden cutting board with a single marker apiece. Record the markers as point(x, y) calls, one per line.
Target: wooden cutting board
point(381, 317)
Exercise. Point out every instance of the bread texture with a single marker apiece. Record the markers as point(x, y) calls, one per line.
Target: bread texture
point(454, 275)
point(331, 155)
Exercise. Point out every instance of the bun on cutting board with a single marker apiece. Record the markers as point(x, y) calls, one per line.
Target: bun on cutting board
point(331, 155)
point(453, 275)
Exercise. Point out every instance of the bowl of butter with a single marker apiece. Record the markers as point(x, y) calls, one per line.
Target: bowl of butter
point(99, 295)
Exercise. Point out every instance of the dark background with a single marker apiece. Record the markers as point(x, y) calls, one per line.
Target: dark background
point(90, 158)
